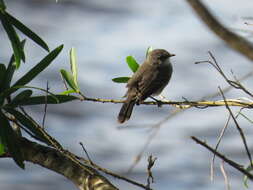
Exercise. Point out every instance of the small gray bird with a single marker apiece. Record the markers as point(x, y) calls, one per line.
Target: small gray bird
point(150, 79)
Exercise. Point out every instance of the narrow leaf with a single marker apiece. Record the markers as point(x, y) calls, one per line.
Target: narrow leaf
point(132, 63)
point(2, 5)
point(15, 42)
point(68, 92)
point(30, 75)
point(9, 91)
point(29, 124)
point(2, 74)
point(25, 30)
point(11, 69)
point(2, 148)
point(121, 79)
point(36, 100)
point(73, 65)
point(9, 137)
point(68, 77)
point(22, 95)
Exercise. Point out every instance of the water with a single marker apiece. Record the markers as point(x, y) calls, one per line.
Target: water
point(104, 34)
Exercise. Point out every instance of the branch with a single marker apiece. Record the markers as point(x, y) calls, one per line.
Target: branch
point(52, 159)
point(225, 159)
point(235, 41)
point(184, 104)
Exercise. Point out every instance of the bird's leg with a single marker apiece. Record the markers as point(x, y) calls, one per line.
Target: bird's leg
point(159, 102)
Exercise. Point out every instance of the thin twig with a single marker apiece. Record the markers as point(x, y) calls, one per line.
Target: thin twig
point(85, 152)
point(230, 162)
point(217, 145)
point(45, 108)
point(150, 178)
point(106, 171)
point(234, 83)
point(183, 108)
point(154, 133)
point(224, 173)
point(238, 128)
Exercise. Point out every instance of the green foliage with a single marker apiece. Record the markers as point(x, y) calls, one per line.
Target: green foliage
point(133, 65)
point(1, 148)
point(29, 124)
point(10, 140)
point(14, 39)
point(71, 77)
point(121, 79)
point(37, 100)
point(30, 75)
point(2, 5)
point(26, 31)
point(2, 71)
point(9, 22)
point(10, 101)
point(10, 70)
point(22, 95)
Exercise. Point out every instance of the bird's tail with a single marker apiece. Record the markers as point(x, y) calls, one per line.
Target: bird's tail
point(126, 110)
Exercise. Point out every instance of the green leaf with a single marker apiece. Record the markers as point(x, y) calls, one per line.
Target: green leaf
point(68, 77)
point(132, 63)
point(68, 92)
point(9, 91)
point(22, 95)
point(149, 49)
point(121, 79)
point(25, 30)
point(2, 148)
point(2, 74)
point(29, 124)
point(10, 70)
point(15, 42)
point(73, 65)
point(30, 75)
point(2, 5)
point(9, 137)
point(36, 100)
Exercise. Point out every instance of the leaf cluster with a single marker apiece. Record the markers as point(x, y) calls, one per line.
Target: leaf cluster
point(16, 94)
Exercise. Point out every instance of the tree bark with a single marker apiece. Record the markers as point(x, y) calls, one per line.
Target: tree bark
point(84, 179)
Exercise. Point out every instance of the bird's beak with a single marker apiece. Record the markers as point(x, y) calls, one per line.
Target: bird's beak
point(171, 55)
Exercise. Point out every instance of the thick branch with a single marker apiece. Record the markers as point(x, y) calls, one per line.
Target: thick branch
point(233, 40)
point(84, 179)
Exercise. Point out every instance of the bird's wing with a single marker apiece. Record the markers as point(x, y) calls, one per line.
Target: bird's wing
point(147, 85)
point(136, 78)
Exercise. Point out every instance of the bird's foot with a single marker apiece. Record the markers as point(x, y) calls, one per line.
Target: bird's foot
point(158, 102)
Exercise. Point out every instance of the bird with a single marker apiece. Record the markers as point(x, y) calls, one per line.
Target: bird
point(149, 80)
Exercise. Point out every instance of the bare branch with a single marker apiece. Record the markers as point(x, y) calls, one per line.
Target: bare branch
point(235, 41)
point(238, 128)
point(230, 162)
